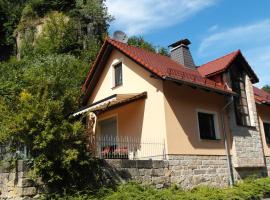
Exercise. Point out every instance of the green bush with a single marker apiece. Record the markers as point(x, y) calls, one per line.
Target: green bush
point(250, 189)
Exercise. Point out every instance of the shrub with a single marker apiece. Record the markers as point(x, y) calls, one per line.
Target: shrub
point(250, 189)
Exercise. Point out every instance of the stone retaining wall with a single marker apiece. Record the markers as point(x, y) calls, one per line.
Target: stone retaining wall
point(185, 171)
point(15, 184)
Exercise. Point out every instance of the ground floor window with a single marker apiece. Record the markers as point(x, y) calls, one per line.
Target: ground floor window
point(207, 125)
point(267, 132)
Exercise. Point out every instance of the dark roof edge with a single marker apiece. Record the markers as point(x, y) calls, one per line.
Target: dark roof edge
point(199, 86)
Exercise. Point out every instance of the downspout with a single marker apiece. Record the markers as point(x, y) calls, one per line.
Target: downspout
point(229, 163)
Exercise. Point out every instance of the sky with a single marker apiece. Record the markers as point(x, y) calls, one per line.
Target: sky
point(214, 27)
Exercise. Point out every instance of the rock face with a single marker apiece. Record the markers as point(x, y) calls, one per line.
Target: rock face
point(14, 183)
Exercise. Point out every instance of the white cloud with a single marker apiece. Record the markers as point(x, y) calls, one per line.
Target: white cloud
point(141, 16)
point(213, 28)
point(253, 40)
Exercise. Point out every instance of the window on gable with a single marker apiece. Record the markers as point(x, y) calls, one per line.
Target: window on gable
point(118, 74)
point(240, 101)
point(267, 132)
point(207, 126)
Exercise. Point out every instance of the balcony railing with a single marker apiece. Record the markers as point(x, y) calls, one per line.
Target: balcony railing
point(127, 147)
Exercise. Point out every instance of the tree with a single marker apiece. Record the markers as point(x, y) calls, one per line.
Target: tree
point(39, 92)
point(141, 43)
point(10, 12)
point(266, 88)
point(39, 117)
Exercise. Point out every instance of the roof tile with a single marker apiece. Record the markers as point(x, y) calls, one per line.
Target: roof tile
point(218, 65)
point(161, 66)
point(261, 96)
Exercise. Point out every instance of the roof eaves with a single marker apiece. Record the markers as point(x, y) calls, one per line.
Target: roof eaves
point(225, 92)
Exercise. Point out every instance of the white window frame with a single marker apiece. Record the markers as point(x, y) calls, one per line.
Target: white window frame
point(265, 122)
point(113, 73)
point(216, 124)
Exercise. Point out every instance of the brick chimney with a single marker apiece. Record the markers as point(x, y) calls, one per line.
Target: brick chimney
point(181, 54)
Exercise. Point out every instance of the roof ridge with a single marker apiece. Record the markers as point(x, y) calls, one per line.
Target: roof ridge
point(236, 52)
point(148, 51)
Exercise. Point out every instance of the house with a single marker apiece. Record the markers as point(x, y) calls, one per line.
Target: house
point(148, 106)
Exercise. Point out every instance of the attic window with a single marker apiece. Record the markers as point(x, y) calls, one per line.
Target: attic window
point(118, 80)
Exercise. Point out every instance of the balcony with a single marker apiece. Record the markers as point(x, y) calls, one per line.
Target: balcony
point(127, 147)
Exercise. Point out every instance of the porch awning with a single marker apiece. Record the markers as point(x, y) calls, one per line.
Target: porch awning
point(111, 101)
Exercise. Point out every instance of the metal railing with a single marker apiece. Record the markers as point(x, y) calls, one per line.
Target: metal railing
point(128, 147)
point(20, 152)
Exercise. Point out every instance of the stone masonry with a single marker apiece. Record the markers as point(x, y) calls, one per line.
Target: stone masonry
point(247, 145)
point(15, 184)
point(185, 171)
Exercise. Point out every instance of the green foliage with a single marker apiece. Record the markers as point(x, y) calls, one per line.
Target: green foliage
point(87, 23)
point(141, 43)
point(35, 112)
point(247, 190)
point(10, 12)
point(266, 88)
point(164, 51)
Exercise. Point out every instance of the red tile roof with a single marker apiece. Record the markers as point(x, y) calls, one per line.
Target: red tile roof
point(261, 96)
point(161, 66)
point(221, 64)
point(218, 65)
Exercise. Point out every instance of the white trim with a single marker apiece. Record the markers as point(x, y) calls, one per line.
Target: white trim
point(216, 122)
point(93, 107)
point(266, 121)
point(121, 60)
point(264, 135)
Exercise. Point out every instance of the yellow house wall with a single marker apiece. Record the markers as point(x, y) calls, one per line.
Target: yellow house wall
point(181, 104)
point(144, 118)
point(264, 116)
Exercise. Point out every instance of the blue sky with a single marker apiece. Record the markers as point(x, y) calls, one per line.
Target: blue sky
point(215, 27)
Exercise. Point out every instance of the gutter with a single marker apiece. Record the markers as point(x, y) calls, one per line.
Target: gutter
point(227, 149)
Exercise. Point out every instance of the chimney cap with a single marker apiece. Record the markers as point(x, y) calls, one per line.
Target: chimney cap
point(185, 42)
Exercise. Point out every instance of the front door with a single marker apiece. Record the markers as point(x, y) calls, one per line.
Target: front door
point(108, 128)
point(107, 133)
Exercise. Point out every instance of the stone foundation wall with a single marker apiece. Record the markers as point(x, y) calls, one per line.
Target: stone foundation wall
point(267, 161)
point(185, 171)
point(15, 184)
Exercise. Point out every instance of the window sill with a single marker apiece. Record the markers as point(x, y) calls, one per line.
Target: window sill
point(246, 126)
point(210, 139)
point(117, 86)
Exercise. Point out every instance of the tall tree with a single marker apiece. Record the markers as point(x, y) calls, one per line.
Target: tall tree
point(266, 88)
point(139, 41)
point(10, 13)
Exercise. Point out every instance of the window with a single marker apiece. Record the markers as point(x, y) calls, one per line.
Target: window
point(240, 101)
point(118, 74)
point(207, 126)
point(267, 132)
